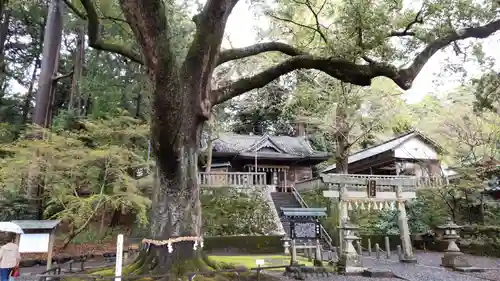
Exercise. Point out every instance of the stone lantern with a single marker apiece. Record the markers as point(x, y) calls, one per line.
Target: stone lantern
point(452, 258)
point(286, 244)
point(349, 261)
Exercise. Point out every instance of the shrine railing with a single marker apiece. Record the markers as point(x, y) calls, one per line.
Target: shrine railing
point(324, 233)
point(411, 182)
point(228, 179)
point(429, 182)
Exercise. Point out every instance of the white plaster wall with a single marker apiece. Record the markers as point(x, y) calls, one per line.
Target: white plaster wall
point(414, 169)
point(415, 148)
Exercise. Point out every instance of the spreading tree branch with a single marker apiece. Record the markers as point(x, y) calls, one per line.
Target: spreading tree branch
point(294, 22)
point(406, 32)
point(59, 77)
point(316, 19)
point(202, 56)
point(238, 53)
point(95, 40)
point(346, 71)
point(152, 31)
point(75, 10)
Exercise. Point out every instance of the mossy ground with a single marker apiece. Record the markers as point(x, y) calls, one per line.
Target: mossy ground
point(204, 264)
point(250, 260)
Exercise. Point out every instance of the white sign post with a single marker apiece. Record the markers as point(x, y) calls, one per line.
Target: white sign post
point(119, 257)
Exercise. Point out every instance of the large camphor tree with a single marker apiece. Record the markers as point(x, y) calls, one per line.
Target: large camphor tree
point(369, 39)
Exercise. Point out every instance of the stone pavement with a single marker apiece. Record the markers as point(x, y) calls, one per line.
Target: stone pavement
point(430, 261)
point(427, 269)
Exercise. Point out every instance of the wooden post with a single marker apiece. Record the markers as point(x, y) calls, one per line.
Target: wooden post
point(377, 250)
point(119, 257)
point(318, 250)
point(52, 237)
point(309, 250)
point(387, 247)
point(294, 252)
point(369, 246)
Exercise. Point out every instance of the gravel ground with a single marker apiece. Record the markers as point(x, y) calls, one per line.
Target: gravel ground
point(427, 269)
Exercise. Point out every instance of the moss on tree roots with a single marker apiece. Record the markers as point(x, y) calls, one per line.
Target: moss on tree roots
point(179, 271)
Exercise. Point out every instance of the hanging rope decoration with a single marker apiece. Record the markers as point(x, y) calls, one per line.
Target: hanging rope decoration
point(370, 205)
point(169, 242)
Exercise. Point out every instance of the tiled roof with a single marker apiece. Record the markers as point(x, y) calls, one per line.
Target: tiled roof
point(247, 144)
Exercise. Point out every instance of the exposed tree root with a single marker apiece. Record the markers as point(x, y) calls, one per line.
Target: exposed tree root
point(145, 265)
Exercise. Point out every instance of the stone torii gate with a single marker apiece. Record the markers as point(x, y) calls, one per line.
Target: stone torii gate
point(374, 192)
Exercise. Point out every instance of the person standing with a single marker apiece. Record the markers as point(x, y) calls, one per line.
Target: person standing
point(9, 258)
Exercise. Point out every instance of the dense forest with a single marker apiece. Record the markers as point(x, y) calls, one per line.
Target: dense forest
point(94, 93)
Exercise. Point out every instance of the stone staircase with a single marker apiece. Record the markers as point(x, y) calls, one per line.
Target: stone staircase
point(285, 200)
point(290, 200)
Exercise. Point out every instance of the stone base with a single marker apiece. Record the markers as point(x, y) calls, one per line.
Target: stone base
point(352, 270)
point(408, 260)
point(454, 260)
point(377, 273)
point(469, 269)
point(350, 260)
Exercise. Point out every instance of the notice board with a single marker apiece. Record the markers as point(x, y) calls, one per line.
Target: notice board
point(34, 243)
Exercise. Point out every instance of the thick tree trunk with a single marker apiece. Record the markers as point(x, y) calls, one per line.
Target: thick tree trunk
point(51, 44)
point(210, 144)
point(29, 96)
point(4, 32)
point(74, 98)
point(176, 212)
point(177, 209)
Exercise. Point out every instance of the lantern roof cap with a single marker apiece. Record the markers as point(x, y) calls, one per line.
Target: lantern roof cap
point(450, 224)
point(348, 225)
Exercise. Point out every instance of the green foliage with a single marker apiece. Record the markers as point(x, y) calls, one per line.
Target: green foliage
point(82, 173)
point(420, 220)
point(487, 92)
point(262, 111)
point(229, 211)
point(7, 133)
point(15, 207)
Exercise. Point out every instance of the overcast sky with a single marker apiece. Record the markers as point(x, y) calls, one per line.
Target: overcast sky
point(241, 30)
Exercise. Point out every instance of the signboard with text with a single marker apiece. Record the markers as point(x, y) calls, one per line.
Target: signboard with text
point(372, 188)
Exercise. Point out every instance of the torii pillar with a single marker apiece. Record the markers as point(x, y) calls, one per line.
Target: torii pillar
point(404, 230)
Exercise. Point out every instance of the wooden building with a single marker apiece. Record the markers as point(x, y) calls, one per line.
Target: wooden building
point(261, 160)
point(411, 154)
